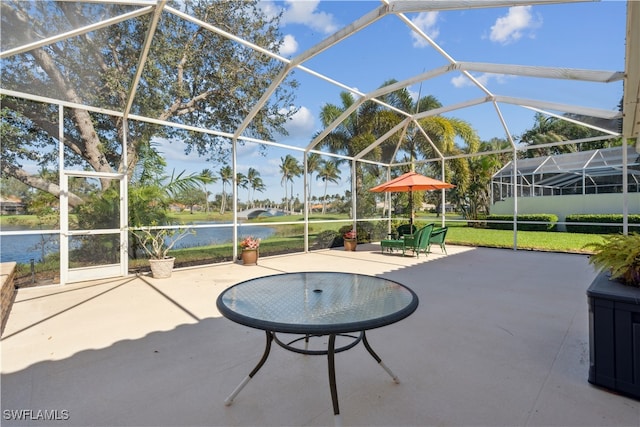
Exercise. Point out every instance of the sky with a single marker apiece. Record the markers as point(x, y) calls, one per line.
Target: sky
point(584, 35)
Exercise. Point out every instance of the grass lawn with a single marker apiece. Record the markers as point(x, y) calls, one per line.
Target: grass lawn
point(460, 234)
point(290, 237)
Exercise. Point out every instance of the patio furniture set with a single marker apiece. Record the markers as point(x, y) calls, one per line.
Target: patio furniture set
point(407, 238)
point(329, 304)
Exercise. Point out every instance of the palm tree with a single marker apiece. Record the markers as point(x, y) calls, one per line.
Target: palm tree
point(242, 182)
point(257, 185)
point(149, 200)
point(443, 133)
point(354, 134)
point(328, 172)
point(477, 200)
point(290, 168)
point(553, 129)
point(226, 175)
point(313, 164)
point(252, 176)
point(207, 177)
point(365, 125)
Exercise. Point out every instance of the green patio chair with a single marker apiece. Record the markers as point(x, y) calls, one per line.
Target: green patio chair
point(438, 236)
point(395, 240)
point(405, 229)
point(400, 243)
point(402, 230)
point(391, 244)
point(419, 242)
point(416, 242)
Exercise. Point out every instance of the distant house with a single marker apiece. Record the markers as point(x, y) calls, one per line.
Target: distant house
point(176, 207)
point(585, 182)
point(11, 205)
point(580, 173)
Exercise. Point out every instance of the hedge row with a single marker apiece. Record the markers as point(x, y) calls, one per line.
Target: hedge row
point(600, 218)
point(365, 232)
point(533, 222)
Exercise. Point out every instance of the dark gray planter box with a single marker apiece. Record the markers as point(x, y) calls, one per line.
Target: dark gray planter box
point(614, 336)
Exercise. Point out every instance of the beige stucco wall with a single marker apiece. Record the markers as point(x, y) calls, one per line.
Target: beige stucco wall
point(7, 291)
point(567, 205)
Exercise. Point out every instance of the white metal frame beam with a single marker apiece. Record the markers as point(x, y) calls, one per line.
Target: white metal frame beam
point(631, 97)
point(77, 32)
point(414, 6)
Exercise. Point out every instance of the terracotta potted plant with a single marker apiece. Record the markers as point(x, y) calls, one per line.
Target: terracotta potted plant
point(614, 311)
point(157, 242)
point(350, 241)
point(250, 250)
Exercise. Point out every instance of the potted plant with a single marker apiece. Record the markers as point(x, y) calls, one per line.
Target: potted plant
point(250, 250)
point(614, 314)
point(157, 242)
point(619, 255)
point(350, 241)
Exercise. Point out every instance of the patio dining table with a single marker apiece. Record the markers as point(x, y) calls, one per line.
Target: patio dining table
point(317, 304)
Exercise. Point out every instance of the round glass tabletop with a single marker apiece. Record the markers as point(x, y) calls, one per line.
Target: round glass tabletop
point(317, 302)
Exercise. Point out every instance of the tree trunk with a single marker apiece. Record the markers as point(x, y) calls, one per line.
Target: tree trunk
point(39, 183)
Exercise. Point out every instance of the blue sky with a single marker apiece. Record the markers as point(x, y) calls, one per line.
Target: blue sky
point(584, 35)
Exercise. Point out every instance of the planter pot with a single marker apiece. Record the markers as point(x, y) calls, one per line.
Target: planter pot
point(350, 244)
point(614, 336)
point(161, 268)
point(249, 256)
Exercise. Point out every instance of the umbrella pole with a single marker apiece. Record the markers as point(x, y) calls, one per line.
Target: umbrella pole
point(411, 208)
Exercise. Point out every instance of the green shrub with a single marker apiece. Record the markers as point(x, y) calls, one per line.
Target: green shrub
point(328, 239)
point(600, 218)
point(418, 224)
point(363, 232)
point(529, 222)
point(378, 230)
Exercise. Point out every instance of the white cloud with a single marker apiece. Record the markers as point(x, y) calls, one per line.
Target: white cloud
point(171, 150)
point(460, 81)
point(305, 13)
point(414, 94)
point(289, 45)
point(514, 24)
point(302, 13)
point(248, 150)
point(301, 125)
point(269, 8)
point(426, 22)
point(484, 79)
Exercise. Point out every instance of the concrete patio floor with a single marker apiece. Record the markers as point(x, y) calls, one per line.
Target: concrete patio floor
point(500, 339)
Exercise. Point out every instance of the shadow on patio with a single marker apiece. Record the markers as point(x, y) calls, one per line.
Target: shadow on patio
point(500, 338)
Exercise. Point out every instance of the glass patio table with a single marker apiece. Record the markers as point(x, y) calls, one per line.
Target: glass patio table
point(317, 304)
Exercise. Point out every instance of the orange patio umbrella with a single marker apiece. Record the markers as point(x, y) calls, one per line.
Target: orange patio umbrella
point(409, 182)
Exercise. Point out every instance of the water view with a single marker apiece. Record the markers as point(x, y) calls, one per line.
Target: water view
point(24, 248)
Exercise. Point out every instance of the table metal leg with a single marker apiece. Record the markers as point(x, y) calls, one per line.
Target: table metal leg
point(332, 379)
point(331, 350)
point(375, 356)
point(229, 400)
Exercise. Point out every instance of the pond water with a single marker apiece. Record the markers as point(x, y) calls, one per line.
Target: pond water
point(26, 247)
